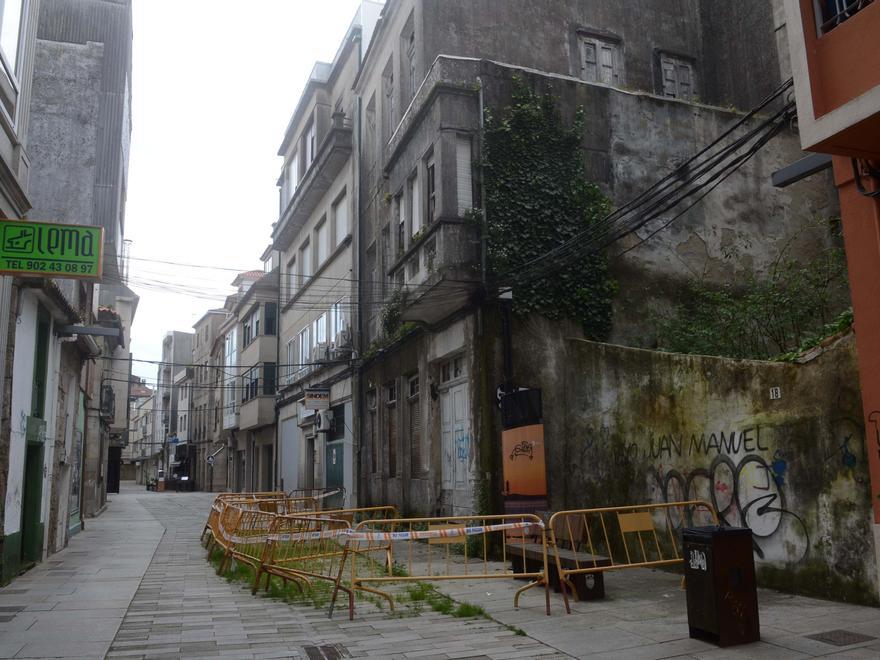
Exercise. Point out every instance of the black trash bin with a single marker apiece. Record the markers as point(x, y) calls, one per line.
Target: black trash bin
point(722, 596)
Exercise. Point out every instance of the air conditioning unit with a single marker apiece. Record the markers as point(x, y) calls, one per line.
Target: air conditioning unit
point(324, 421)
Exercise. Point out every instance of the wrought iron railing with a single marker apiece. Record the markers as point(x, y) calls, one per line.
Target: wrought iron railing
point(831, 13)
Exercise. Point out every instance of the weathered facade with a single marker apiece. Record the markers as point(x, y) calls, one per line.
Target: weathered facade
point(630, 425)
point(650, 99)
point(316, 250)
point(207, 371)
point(176, 358)
point(76, 115)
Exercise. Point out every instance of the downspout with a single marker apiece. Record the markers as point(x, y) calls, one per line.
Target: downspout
point(357, 237)
point(127, 411)
point(275, 467)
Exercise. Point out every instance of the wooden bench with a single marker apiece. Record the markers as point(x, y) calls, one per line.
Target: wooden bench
point(587, 586)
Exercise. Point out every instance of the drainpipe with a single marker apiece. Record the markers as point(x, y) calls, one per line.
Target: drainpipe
point(357, 385)
point(275, 467)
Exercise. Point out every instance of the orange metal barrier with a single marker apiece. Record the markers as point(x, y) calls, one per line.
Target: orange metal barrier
point(220, 501)
point(246, 541)
point(453, 548)
point(584, 541)
point(304, 548)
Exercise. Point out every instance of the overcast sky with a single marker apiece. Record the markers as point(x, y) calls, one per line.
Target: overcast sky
point(214, 83)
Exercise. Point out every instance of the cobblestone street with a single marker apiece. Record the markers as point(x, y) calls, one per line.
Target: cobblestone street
point(135, 584)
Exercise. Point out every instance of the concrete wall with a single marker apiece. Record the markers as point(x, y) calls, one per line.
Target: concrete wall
point(628, 426)
point(718, 37)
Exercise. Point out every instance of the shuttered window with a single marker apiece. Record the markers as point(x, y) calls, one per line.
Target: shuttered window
point(463, 174)
point(601, 61)
point(678, 78)
point(417, 453)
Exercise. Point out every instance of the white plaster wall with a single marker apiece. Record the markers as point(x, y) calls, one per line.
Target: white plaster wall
point(22, 377)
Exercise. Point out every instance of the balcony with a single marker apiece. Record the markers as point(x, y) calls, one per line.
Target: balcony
point(836, 66)
point(332, 155)
point(439, 272)
point(257, 412)
point(832, 13)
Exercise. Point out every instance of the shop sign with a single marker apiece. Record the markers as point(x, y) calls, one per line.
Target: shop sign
point(317, 398)
point(51, 250)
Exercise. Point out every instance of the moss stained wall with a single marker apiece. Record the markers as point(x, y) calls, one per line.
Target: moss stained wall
point(627, 426)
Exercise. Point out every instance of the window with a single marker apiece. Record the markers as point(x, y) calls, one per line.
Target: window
point(391, 425)
point(269, 378)
point(677, 77)
point(271, 318)
point(291, 279)
point(310, 144)
point(322, 242)
point(290, 359)
point(321, 329)
point(463, 174)
point(600, 61)
point(305, 263)
point(370, 133)
point(415, 210)
point(305, 347)
point(337, 320)
point(452, 369)
point(388, 93)
point(247, 331)
point(250, 327)
point(340, 219)
point(292, 175)
point(10, 27)
point(411, 58)
point(372, 431)
point(417, 453)
point(400, 222)
point(432, 191)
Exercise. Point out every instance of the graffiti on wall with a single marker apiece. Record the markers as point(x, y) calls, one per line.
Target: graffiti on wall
point(745, 493)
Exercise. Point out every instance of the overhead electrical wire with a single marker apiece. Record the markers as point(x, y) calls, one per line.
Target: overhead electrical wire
point(685, 181)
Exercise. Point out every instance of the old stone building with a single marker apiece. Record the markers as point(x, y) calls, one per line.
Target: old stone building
point(205, 436)
point(650, 98)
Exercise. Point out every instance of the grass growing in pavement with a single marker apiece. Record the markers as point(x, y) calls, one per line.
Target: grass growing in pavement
point(413, 597)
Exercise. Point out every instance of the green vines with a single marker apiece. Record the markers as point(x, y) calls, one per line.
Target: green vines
point(537, 197)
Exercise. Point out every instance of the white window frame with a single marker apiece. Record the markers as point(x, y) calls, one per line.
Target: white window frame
point(322, 242)
point(341, 232)
point(311, 143)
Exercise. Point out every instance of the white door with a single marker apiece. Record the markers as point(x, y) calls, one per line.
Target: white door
point(464, 451)
point(458, 452)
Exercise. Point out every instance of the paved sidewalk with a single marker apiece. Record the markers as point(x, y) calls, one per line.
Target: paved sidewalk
point(135, 584)
point(73, 604)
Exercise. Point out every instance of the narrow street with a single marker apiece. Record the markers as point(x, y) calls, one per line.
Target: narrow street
point(135, 584)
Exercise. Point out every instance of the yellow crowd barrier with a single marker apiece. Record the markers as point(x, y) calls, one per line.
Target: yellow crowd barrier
point(221, 499)
point(450, 548)
point(306, 548)
point(592, 541)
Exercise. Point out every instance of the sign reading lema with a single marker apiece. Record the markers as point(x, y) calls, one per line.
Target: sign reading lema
point(51, 250)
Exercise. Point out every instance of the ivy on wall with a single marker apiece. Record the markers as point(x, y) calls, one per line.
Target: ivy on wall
point(537, 197)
